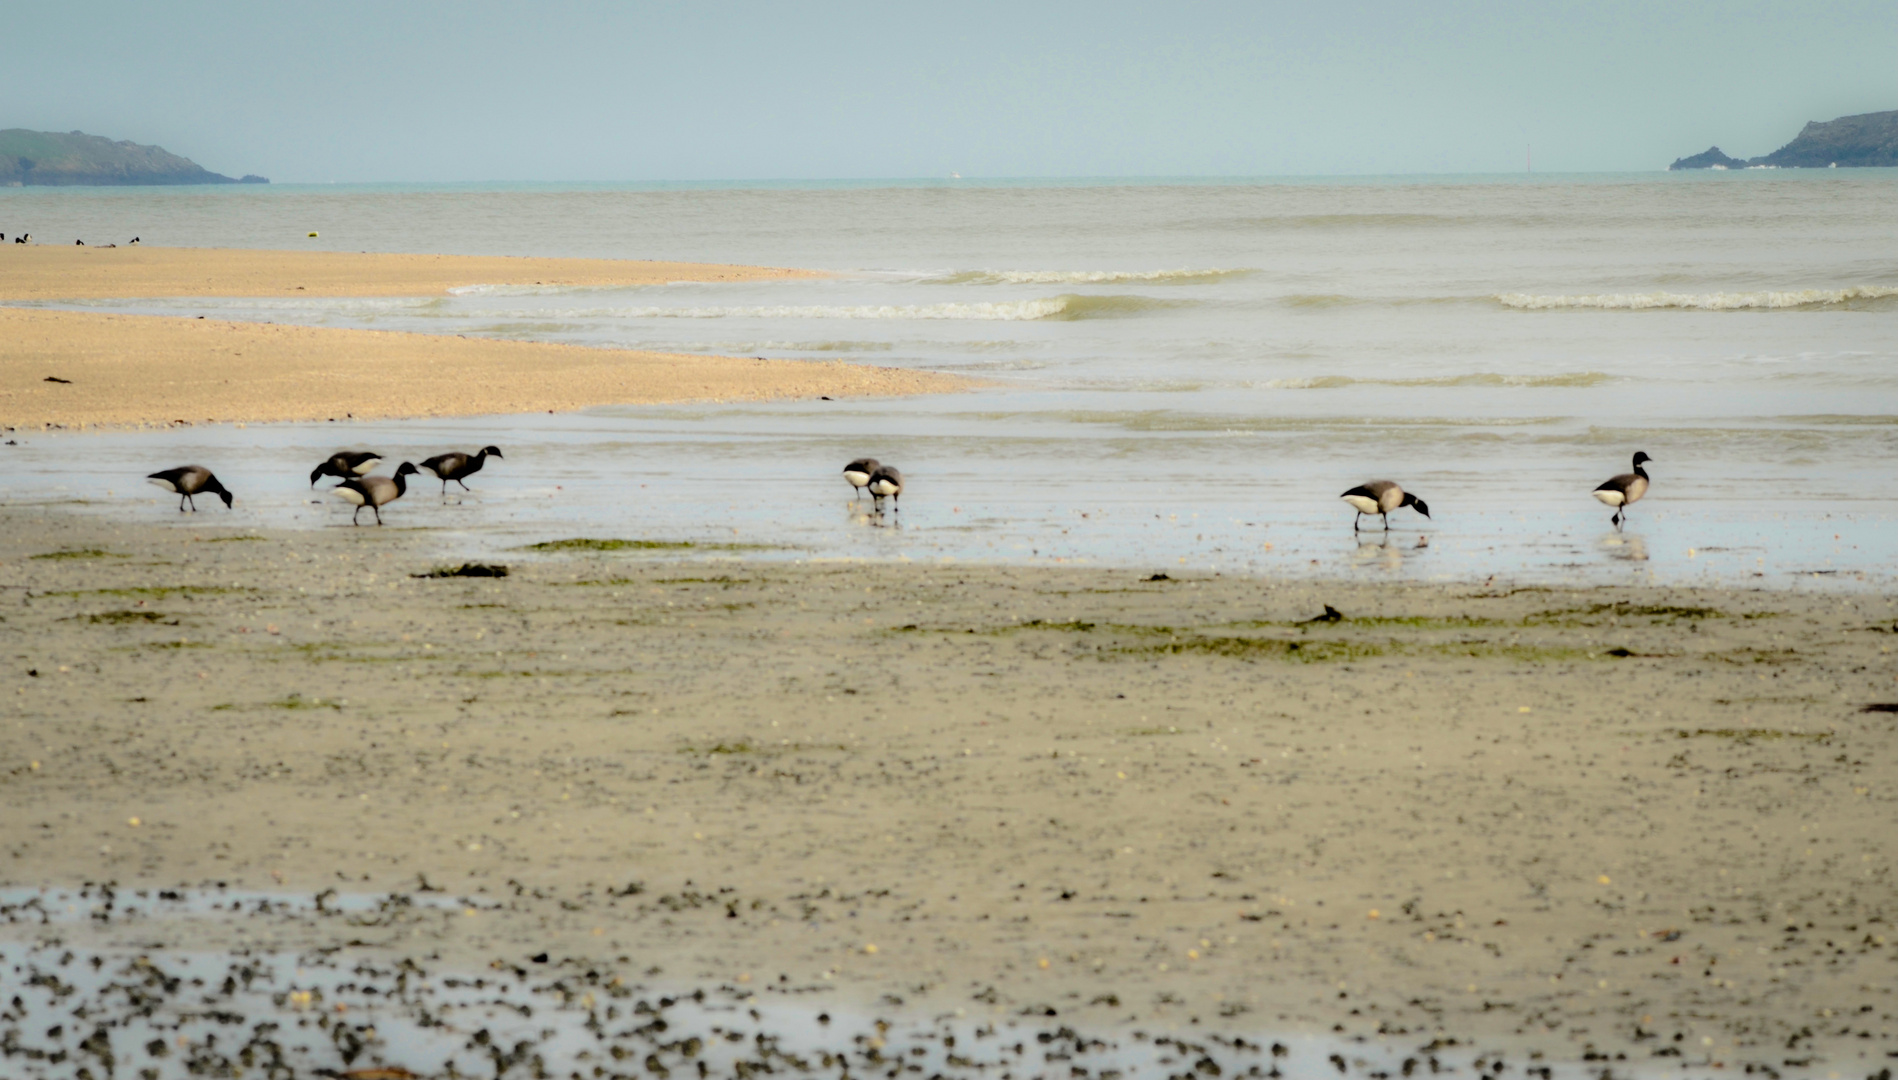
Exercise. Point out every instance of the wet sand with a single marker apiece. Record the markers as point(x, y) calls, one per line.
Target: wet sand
point(1651, 823)
point(134, 370)
point(48, 272)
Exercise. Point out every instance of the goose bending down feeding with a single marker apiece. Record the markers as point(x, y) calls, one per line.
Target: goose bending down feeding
point(858, 474)
point(886, 482)
point(1625, 490)
point(454, 466)
point(188, 480)
point(375, 492)
point(347, 463)
point(1380, 497)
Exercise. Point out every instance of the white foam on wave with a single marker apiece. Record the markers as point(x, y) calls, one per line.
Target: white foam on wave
point(514, 290)
point(1066, 306)
point(1010, 311)
point(1086, 277)
point(1721, 301)
point(1481, 378)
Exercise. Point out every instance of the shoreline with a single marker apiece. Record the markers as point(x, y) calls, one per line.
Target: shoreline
point(47, 272)
point(1195, 801)
point(153, 370)
point(145, 370)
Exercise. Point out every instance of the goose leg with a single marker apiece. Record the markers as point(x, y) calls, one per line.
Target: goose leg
point(1387, 522)
point(464, 487)
point(354, 516)
point(1357, 521)
point(378, 511)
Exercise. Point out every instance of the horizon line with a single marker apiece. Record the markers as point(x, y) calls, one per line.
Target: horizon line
point(1056, 179)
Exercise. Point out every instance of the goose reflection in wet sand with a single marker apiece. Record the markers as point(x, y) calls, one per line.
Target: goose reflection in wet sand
point(1624, 547)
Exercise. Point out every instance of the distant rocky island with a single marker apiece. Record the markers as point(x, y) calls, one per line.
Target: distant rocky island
point(41, 158)
point(1869, 140)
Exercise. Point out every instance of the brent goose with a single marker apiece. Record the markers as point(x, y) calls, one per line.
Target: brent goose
point(886, 481)
point(455, 466)
point(188, 480)
point(1380, 497)
point(858, 473)
point(347, 463)
point(375, 492)
point(1625, 490)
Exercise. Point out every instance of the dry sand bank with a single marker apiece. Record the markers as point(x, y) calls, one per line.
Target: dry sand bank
point(139, 369)
point(47, 272)
point(1594, 821)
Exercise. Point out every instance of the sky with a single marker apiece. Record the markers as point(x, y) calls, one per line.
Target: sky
point(564, 90)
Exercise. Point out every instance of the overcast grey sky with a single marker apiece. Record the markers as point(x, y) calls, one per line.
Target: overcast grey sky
point(556, 90)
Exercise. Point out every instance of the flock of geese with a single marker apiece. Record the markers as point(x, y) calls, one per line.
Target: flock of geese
point(1380, 497)
point(353, 467)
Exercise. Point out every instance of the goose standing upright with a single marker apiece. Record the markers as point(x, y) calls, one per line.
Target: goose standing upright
point(1625, 490)
point(455, 465)
point(347, 463)
point(188, 480)
point(857, 474)
point(886, 482)
point(1380, 497)
point(375, 492)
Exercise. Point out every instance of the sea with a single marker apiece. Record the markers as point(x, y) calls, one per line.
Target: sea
point(1179, 375)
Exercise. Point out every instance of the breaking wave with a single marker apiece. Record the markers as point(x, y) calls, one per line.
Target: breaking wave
point(1484, 378)
point(517, 290)
point(1068, 306)
point(1322, 301)
point(1721, 301)
point(1087, 277)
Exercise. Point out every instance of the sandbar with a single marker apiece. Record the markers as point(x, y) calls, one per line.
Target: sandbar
point(47, 272)
point(1622, 825)
point(133, 370)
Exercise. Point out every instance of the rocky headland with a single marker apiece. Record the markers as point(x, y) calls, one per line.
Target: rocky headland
point(50, 158)
point(1869, 140)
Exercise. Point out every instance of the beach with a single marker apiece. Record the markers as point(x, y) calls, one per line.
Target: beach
point(1647, 824)
point(1114, 751)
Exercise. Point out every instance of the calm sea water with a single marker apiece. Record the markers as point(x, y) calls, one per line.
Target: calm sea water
point(1187, 373)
